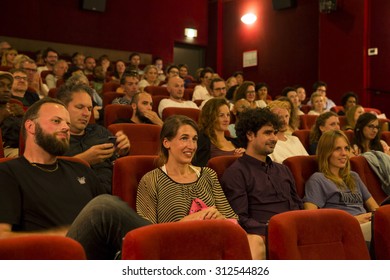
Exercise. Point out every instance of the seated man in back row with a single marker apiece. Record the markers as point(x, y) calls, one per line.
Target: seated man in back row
point(142, 105)
point(256, 187)
point(175, 88)
point(90, 142)
point(59, 197)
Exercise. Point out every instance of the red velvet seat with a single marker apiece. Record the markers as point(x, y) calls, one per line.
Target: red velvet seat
point(382, 233)
point(112, 112)
point(41, 247)
point(307, 121)
point(301, 167)
point(195, 240)
point(304, 137)
point(219, 164)
point(188, 92)
point(144, 138)
point(157, 90)
point(109, 96)
point(305, 108)
point(189, 112)
point(324, 234)
point(360, 165)
point(385, 136)
point(127, 173)
point(110, 86)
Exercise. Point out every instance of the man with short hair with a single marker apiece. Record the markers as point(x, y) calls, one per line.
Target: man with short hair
point(258, 188)
point(20, 88)
point(321, 88)
point(34, 78)
point(129, 86)
point(90, 142)
point(175, 88)
point(50, 56)
point(142, 105)
point(78, 60)
point(10, 117)
point(89, 65)
point(217, 90)
point(292, 94)
point(134, 62)
point(56, 196)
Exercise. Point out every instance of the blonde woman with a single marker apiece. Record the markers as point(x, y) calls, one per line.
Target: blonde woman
point(317, 103)
point(150, 77)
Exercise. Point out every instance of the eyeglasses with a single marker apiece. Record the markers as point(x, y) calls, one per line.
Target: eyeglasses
point(19, 78)
point(219, 89)
point(250, 91)
point(371, 126)
point(174, 72)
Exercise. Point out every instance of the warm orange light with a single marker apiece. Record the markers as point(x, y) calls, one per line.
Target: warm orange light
point(249, 18)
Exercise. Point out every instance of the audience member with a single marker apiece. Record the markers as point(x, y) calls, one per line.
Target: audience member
point(78, 60)
point(213, 123)
point(119, 71)
point(10, 117)
point(287, 145)
point(321, 88)
point(348, 100)
point(166, 193)
point(262, 91)
point(99, 77)
point(317, 103)
point(294, 117)
point(89, 65)
point(20, 86)
point(301, 95)
point(256, 187)
point(29, 204)
point(33, 78)
point(59, 70)
point(239, 75)
point(352, 115)
point(134, 62)
point(335, 185)
point(90, 141)
point(105, 63)
point(9, 57)
point(230, 82)
point(150, 77)
point(4, 46)
point(172, 71)
point(184, 71)
point(325, 122)
point(217, 90)
point(247, 90)
point(367, 135)
point(292, 94)
point(238, 107)
point(158, 62)
point(142, 104)
point(50, 57)
point(175, 88)
point(129, 86)
point(202, 91)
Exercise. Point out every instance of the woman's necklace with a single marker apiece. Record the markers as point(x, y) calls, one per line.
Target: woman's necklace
point(45, 169)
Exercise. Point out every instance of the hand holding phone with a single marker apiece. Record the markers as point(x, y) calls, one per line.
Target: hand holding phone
point(112, 139)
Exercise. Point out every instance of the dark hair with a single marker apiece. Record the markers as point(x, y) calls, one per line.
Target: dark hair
point(128, 74)
point(363, 120)
point(252, 120)
point(215, 80)
point(315, 132)
point(170, 67)
point(318, 84)
point(87, 57)
point(241, 90)
point(45, 53)
point(286, 90)
point(169, 131)
point(33, 111)
point(65, 92)
point(235, 74)
point(346, 96)
point(260, 85)
point(133, 54)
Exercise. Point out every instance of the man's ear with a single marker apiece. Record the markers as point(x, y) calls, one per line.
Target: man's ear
point(250, 135)
point(29, 125)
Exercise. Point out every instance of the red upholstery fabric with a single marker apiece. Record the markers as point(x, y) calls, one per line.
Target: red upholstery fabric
point(110, 86)
point(343, 121)
point(189, 112)
point(156, 101)
point(128, 171)
point(41, 247)
point(219, 164)
point(53, 92)
point(304, 137)
point(325, 234)
point(195, 240)
point(372, 110)
point(360, 165)
point(188, 92)
point(307, 121)
point(44, 73)
point(144, 138)
point(109, 96)
point(157, 90)
point(302, 167)
point(112, 112)
point(385, 136)
point(305, 108)
point(382, 233)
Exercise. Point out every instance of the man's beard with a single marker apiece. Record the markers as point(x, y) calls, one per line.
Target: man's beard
point(141, 116)
point(50, 143)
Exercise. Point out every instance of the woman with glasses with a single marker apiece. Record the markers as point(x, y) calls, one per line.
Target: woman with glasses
point(247, 91)
point(367, 135)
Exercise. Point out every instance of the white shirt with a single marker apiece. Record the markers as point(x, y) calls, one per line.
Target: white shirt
point(201, 92)
point(165, 103)
point(285, 149)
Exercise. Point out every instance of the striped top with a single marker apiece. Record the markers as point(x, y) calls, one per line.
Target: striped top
point(162, 200)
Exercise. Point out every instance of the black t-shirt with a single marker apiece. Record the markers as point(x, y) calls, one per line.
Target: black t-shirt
point(33, 199)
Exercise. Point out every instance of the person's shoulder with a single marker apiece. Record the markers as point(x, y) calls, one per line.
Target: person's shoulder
point(12, 163)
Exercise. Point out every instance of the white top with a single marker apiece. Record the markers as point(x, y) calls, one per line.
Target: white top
point(201, 92)
point(260, 103)
point(285, 149)
point(165, 103)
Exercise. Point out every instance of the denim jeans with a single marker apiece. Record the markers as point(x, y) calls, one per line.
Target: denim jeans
point(102, 224)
